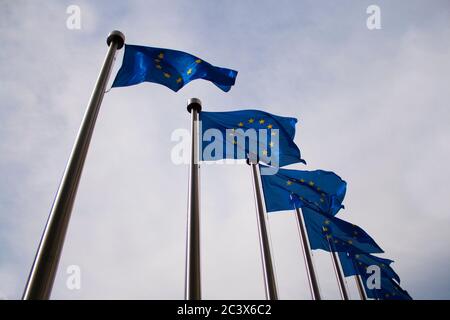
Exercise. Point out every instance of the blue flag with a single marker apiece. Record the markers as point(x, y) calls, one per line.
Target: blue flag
point(325, 231)
point(170, 68)
point(318, 190)
point(247, 134)
point(389, 290)
point(354, 263)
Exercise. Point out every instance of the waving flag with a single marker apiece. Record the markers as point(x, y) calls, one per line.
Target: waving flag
point(170, 68)
point(353, 264)
point(389, 290)
point(324, 230)
point(249, 133)
point(357, 263)
point(318, 190)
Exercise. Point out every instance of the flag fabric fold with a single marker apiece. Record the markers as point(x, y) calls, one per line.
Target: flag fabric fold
point(171, 68)
point(249, 133)
point(319, 190)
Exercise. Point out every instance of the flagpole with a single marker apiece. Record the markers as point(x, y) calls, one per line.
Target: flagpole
point(338, 272)
point(307, 254)
point(45, 265)
point(266, 256)
point(193, 275)
point(359, 284)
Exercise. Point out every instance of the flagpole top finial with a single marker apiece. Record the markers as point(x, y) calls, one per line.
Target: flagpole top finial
point(117, 36)
point(194, 103)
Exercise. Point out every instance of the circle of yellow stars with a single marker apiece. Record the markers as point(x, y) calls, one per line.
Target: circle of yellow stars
point(168, 75)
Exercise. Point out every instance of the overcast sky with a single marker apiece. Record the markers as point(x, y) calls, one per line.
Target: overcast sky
point(372, 105)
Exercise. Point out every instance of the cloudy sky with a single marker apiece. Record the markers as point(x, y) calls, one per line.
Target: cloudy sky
point(372, 106)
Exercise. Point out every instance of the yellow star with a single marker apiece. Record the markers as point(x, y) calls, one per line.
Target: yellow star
point(327, 221)
point(234, 142)
point(311, 183)
point(262, 121)
point(179, 80)
point(269, 126)
point(198, 61)
point(321, 200)
point(158, 67)
point(241, 124)
point(318, 189)
point(271, 144)
point(161, 55)
point(302, 180)
point(274, 133)
point(360, 263)
point(157, 60)
point(251, 120)
point(350, 241)
point(357, 256)
point(264, 152)
point(167, 75)
point(328, 236)
point(289, 182)
point(325, 229)
point(189, 71)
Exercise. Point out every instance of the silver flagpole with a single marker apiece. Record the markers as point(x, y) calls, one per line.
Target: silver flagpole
point(193, 281)
point(266, 256)
point(43, 271)
point(338, 272)
point(310, 270)
point(360, 285)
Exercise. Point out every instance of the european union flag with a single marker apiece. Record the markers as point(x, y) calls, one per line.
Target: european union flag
point(388, 289)
point(354, 263)
point(325, 230)
point(250, 134)
point(171, 68)
point(319, 190)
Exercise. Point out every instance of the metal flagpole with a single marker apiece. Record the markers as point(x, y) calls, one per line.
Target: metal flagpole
point(193, 281)
point(310, 270)
point(338, 272)
point(266, 256)
point(360, 285)
point(43, 271)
